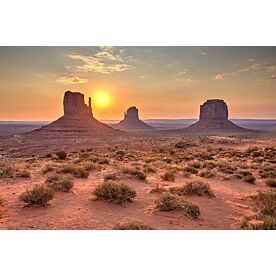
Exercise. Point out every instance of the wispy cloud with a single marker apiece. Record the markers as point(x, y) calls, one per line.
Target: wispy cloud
point(70, 79)
point(106, 60)
point(256, 67)
point(202, 53)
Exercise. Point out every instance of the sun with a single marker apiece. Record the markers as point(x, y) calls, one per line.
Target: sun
point(101, 99)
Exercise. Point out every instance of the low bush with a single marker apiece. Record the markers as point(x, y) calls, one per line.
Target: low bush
point(168, 176)
point(1, 201)
point(193, 188)
point(78, 170)
point(60, 182)
point(269, 223)
point(23, 174)
point(132, 225)
point(157, 190)
point(39, 195)
point(6, 170)
point(168, 202)
point(190, 169)
point(271, 182)
point(118, 193)
point(267, 203)
point(207, 174)
point(148, 169)
point(136, 173)
point(47, 168)
point(267, 172)
point(110, 176)
point(61, 155)
point(246, 176)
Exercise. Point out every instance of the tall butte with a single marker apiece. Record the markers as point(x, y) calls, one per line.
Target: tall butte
point(214, 117)
point(131, 121)
point(77, 118)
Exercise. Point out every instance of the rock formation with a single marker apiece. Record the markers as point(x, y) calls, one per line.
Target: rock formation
point(132, 122)
point(77, 118)
point(214, 117)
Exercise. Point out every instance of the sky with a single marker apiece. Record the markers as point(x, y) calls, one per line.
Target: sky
point(163, 82)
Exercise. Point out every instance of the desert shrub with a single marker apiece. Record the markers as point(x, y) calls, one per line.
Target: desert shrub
point(269, 223)
point(246, 176)
point(118, 193)
point(23, 174)
point(208, 165)
point(226, 168)
point(267, 172)
point(60, 182)
point(195, 164)
point(157, 189)
point(271, 182)
point(206, 174)
point(148, 169)
point(132, 225)
point(47, 168)
point(266, 202)
point(1, 201)
point(168, 176)
point(78, 171)
point(193, 188)
point(6, 170)
point(39, 195)
point(103, 161)
point(190, 169)
point(48, 155)
point(168, 202)
point(110, 176)
point(61, 155)
point(136, 173)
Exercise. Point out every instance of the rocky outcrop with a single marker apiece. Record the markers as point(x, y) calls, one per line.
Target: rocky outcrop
point(214, 117)
point(77, 118)
point(132, 122)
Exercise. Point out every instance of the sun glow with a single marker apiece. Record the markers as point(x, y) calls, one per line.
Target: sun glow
point(101, 99)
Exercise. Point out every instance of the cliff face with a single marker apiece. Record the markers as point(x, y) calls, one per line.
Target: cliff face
point(132, 122)
point(214, 117)
point(77, 118)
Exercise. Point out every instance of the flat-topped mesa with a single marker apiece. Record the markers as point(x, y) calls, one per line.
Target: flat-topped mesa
point(214, 117)
point(214, 110)
point(78, 118)
point(132, 122)
point(74, 105)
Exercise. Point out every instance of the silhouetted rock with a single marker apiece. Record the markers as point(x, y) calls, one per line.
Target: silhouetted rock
point(77, 118)
point(214, 117)
point(132, 122)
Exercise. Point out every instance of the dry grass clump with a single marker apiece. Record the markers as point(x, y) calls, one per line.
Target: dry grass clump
point(1, 201)
point(157, 189)
point(193, 188)
point(148, 169)
point(190, 169)
point(132, 225)
point(268, 223)
point(39, 195)
point(6, 170)
point(136, 173)
point(23, 174)
point(78, 171)
point(207, 174)
point(61, 183)
point(271, 182)
point(110, 176)
point(267, 172)
point(61, 155)
point(168, 176)
point(118, 193)
point(246, 176)
point(226, 168)
point(266, 202)
point(208, 165)
point(48, 168)
point(168, 202)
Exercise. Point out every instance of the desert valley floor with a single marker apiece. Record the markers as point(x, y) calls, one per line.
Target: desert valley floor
point(234, 168)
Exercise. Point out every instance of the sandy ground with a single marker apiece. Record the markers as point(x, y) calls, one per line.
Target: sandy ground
point(78, 208)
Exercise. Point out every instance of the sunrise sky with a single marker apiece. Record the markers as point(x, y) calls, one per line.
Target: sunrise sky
point(163, 82)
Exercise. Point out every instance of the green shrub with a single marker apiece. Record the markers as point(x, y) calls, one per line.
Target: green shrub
point(118, 193)
point(61, 155)
point(206, 174)
point(39, 195)
point(271, 182)
point(193, 188)
point(168, 202)
point(168, 176)
point(132, 225)
point(60, 182)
